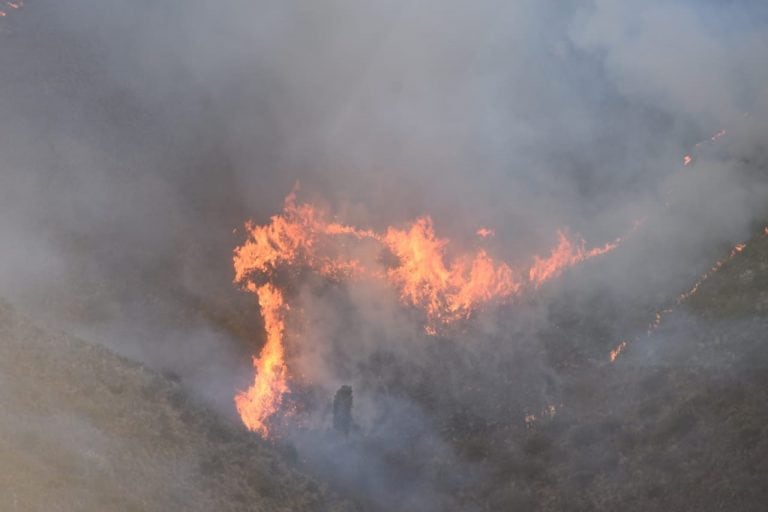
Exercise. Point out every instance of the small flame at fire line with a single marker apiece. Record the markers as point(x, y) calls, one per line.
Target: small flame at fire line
point(688, 158)
point(685, 296)
point(13, 5)
point(446, 289)
point(618, 350)
point(566, 254)
point(485, 232)
point(548, 412)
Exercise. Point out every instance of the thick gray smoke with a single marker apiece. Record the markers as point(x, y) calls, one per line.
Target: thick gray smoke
point(136, 136)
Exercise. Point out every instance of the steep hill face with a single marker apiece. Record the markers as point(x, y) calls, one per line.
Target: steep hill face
point(83, 429)
point(128, 157)
point(679, 422)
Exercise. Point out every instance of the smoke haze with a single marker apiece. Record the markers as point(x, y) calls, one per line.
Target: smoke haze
point(137, 137)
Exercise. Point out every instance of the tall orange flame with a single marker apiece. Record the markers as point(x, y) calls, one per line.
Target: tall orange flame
point(446, 291)
point(263, 398)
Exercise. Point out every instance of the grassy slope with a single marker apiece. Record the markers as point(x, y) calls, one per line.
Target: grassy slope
point(83, 429)
point(682, 426)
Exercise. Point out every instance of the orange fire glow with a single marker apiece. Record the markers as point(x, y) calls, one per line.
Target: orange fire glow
point(260, 401)
point(618, 350)
point(446, 291)
point(12, 5)
point(297, 237)
point(566, 254)
point(685, 296)
point(688, 158)
point(4, 13)
point(485, 232)
point(446, 286)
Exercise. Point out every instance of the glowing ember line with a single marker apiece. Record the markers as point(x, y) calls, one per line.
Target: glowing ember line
point(685, 296)
point(12, 5)
point(657, 320)
point(618, 350)
point(659, 317)
point(719, 134)
point(688, 158)
point(547, 412)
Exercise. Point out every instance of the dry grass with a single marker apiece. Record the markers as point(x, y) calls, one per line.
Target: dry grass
point(83, 429)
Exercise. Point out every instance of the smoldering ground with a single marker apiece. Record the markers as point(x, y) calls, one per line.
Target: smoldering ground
point(137, 136)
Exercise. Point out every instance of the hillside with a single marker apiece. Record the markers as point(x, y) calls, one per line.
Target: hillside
point(679, 422)
point(83, 429)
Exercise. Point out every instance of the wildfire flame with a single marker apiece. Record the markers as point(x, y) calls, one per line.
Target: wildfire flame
point(445, 288)
point(685, 296)
point(12, 5)
point(485, 232)
point(566, 254)
point(18, 4)
point(263, 398)
point(688, 158)
point(618, 350)
point(446, 291)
